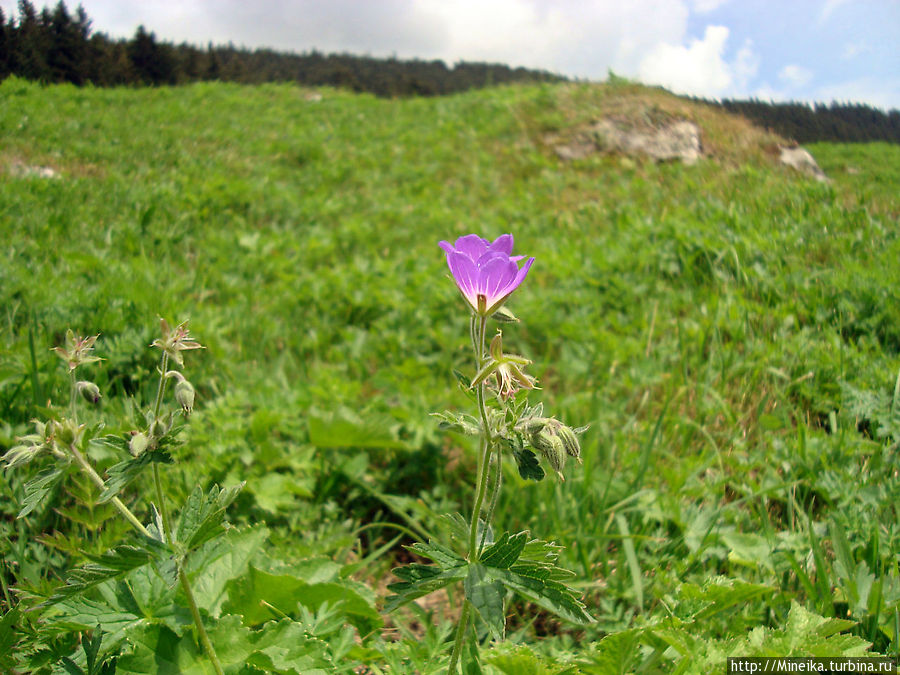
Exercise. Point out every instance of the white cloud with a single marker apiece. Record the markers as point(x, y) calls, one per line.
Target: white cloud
point(698, 68)
point(706, 6)
point(794, 75)
point(854, 49)
point(828, 9)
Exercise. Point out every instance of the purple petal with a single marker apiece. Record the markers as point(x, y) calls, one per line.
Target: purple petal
point(520, 276)
point(447, 246)
point(465, 274)
point(472, 245)
point(503, 244)
point(495, 277)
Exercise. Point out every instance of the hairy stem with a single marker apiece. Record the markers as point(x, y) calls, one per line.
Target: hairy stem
point(477, 331)
point(460, 638)
point(167, 533)
point(73, 392)
point(100, 483)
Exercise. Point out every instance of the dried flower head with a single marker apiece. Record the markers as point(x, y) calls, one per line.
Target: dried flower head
point(174, 341)
point(77, 350)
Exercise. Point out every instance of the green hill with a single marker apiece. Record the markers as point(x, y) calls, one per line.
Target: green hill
point(730, 331)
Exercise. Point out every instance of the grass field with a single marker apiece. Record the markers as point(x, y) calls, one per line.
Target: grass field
point(730, 331)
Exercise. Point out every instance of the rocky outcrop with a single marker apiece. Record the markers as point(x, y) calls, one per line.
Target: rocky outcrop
point(800, 159)
point(675, 140)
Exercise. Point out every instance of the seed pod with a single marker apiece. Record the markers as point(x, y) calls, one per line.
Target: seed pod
point(570, 442)
point(184, 394)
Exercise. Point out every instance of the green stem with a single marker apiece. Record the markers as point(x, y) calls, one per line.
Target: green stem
point(99, 482)
point(483, 455)
point(483, 471)
point(163, 367)
point(460, 638)
point(495, 494)
point(73, 392)
point(167, 533)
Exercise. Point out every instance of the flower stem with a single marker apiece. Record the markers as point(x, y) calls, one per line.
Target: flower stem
point(167, 533)
point(99, 482)
point(478, 335)
point(461, 628)
point(73, 392)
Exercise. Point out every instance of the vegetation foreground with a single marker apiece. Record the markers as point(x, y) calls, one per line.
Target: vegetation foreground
point(729, 331)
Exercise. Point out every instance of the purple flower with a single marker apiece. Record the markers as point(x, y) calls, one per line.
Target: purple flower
point(485, 273)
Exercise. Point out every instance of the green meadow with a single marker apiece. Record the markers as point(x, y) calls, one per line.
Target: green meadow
point(730, 331)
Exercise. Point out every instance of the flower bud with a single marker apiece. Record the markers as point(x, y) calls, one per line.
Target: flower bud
point(138, 443)
point(503, 315)
point(551, 446)
point(158, 429)
point(89, 391)
point(184, 394)
point(68, 432)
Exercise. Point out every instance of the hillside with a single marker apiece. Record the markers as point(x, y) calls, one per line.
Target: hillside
point(730, 331)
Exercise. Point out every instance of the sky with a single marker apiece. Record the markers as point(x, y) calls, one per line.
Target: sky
point(801, 50)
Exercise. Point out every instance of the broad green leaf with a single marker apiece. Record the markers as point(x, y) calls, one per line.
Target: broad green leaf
point(202, 515)
point(39, 487)
point(218, 561)
point(282, 648)
point(251, 594)
point(486, 595)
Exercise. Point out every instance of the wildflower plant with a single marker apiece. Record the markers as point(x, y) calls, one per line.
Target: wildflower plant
point(163, 544)
point(489, 565)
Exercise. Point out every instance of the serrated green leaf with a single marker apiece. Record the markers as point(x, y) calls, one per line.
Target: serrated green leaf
point(110, 565)
point(420, 580)
point(528, 464)
point(532, 583)
point(39, 487)
point(443, 556)
point(202, 516)
point(486, 595)
point(505, 551)
point(121, 475)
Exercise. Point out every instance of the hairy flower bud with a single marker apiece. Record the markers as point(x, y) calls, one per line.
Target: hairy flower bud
point(89, 391)
point(138, 443)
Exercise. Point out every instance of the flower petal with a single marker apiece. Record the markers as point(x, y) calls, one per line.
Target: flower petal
point(447, 246)
point(495, 277)
point(472, 245)
point(503, 244)
point(465, 274)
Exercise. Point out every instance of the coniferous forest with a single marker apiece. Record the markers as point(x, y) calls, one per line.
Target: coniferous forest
point(57, 45)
